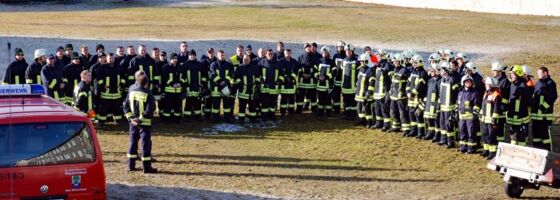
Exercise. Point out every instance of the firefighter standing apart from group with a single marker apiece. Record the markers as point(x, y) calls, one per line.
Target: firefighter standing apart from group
point(139, 107)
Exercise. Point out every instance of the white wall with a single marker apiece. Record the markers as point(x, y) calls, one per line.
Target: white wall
point(524, 7)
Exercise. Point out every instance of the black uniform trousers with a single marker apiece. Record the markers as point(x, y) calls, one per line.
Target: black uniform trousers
point(399, 115)
point(541, 134)
point(306, 97)
point(335, 96)
point(467, 135)
point(171, 106)
point(136, 133)
point(448, 130)
point(382, 107)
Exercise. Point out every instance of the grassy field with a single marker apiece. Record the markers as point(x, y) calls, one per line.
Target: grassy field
point(322, 158)
point(326, 158)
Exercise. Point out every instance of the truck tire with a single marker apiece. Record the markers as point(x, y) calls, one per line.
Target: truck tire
point(514, 188)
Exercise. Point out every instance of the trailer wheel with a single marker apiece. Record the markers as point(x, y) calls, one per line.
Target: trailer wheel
point(514, 188)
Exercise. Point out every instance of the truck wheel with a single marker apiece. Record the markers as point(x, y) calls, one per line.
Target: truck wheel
point(514, 188)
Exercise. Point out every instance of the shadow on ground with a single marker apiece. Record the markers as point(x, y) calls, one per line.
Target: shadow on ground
point(127, 192)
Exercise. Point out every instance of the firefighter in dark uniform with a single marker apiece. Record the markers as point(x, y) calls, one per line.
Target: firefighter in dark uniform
point(543, 107)
point(119, 56)
point(142, 62)
point(51, 77)
point(69, 50)
point(206, 60)
point(280, 51)
point(139, 107)
point(271, 80)
point(195, 79)
point(99, 49)
point(61, 59)
point(448, 91)
point(249, 51)
point(84, 53)
point(348, 82)
point(15, 72)
point(173, 82)
point(247, 82)
point(221, 74)
point(236, 59)
point(290, 68)
point(125, 64)
point(183, 55)
point(471, 70)
point(33, 71)
point(498, 73)
point(381, 92)
point(397, 94)
point(71, 74)
point(517, 116)
point(307, 83)
point(324, 83)
point(94, 69)
point(430, 104)
point(336, 73)
point(160, 59)
point(468, 109)
point(83, 95)
point(416, 92)
point(492, 122)
point(363, 91)
point(110, 82)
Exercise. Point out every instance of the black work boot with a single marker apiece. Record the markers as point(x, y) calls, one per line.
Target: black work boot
point(148, 169)
point(490, 156)
point(131, 164)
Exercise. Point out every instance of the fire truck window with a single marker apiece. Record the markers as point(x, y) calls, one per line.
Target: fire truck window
point(39, 144)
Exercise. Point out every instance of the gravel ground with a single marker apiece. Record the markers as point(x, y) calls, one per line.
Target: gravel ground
point(130, 192)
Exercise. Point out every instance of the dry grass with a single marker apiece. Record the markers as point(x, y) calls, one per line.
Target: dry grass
point(320, 159)
point(323, 159)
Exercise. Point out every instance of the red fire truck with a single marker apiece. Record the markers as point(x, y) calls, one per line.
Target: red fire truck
point(48, 150)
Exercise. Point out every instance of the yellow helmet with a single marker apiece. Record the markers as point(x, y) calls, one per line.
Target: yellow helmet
point(518, 70)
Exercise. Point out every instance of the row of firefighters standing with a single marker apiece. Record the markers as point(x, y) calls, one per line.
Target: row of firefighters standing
point(390, 92)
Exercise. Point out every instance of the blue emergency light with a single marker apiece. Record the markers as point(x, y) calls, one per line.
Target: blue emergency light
point(21, 90)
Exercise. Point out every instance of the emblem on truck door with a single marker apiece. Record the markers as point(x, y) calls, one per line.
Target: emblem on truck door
point(44, 189)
